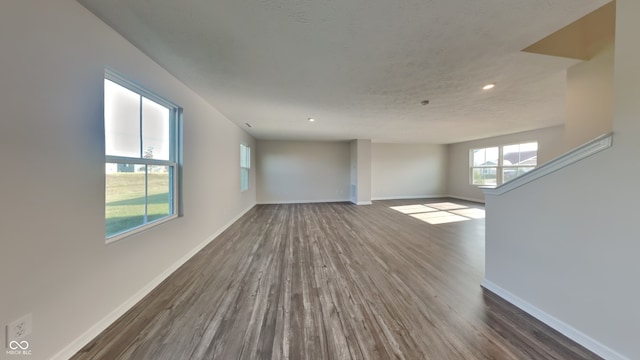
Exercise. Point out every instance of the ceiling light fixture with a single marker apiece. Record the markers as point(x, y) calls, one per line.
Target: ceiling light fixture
point(489, 86)
point(311, 119)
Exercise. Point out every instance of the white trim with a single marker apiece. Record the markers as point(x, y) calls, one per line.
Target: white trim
point(362, 203)
point(303, 201)
point(560, 326)
point(136, 230)
point(101, 325)
point(137, 161)
point(594, 146)
point(409, 197)
point(481, 201)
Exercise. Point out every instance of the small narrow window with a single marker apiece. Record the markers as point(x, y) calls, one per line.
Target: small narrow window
point(141, 153)
point(245, 166)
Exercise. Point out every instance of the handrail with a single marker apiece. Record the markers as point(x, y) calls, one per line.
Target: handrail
point(594, 146)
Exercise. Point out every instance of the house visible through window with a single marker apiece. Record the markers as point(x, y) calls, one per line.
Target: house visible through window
point(245, 166)
point(518, 159)
point(484, 166)
point(497, 165)
point(141, 153)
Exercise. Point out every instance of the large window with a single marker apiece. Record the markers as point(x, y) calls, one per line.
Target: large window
point(141, 154)
point(245, 166)
point(497, 165)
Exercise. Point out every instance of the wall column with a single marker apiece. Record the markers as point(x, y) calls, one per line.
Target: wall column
point(361, 172)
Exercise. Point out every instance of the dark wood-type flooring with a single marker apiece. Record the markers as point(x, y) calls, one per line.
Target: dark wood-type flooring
point(332, 281)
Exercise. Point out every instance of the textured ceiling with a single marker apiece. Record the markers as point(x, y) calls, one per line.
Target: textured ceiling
point(360, 67)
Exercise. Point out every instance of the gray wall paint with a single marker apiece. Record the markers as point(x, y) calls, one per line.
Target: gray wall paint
point(550, 145)
point(291, 171)
point(361, 171)
point(295, 171)
point(51, 139)
point(579, 262)
point(408, 170)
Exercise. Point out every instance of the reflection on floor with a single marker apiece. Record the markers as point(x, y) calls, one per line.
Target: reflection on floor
point(441, 213)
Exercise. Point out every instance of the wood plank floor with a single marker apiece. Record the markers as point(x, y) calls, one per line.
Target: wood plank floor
point(332, 281)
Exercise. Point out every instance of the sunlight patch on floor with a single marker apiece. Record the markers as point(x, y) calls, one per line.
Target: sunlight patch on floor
point(470, 212)
point(441, 213)
point(412, 209)
point(439, 217)
point(447, 206)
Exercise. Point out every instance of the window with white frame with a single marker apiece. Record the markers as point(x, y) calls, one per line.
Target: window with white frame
point(245, 166)
point(518, 159)
point(484, 166)
point(493, 166)
point(141, 157)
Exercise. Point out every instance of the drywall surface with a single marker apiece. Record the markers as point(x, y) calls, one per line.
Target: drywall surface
point(53, 256)
point(568, 243)
point(589, 98)
point(401, 171)
point(297, 171)
point(360, 171)
point(551, 144)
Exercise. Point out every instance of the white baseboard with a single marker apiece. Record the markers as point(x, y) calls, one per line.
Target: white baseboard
point(303, 201)
point(560, 326)
point(466, 198)
point(363, 202)
point(96, 329)
point(409, 197)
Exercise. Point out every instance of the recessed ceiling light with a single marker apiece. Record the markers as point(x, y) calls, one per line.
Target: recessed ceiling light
point(489, 86)
point(311, 119)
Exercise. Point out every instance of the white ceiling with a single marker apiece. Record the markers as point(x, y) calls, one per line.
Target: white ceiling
point(360, 67)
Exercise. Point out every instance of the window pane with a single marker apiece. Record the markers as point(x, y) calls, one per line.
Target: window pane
point(245, 156)
point(245, 164)
point(125, 197)
point(155, 130)
point(244, 179)
point(159, 192)
point(512, 173)
point(121, 120)
point(520, 154)
point(484, 176)
point(485, 157)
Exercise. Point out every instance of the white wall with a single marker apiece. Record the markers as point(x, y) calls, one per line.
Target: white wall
point(360, 171)
point(401, 171)
point(568, 243)
point(589, 82)
point(53, 258)
point(551, 144)
point(295, 171)
point(353, 190)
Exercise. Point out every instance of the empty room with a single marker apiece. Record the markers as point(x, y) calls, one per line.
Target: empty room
point(288, 179)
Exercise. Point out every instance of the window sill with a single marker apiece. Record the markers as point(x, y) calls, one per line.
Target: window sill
point(486, 186)
point(138, 230)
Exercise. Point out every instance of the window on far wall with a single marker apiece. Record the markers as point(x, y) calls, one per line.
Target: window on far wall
point(245, 166)
point(484, 166)
point(141, 154)
point(497, 165)
point(518, 159)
